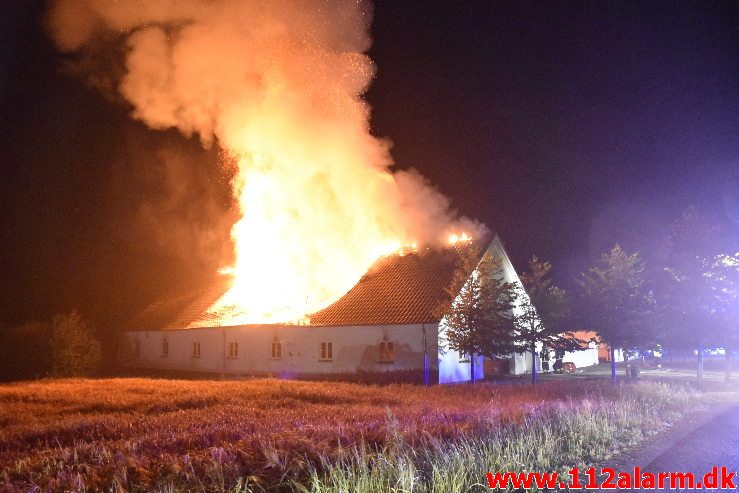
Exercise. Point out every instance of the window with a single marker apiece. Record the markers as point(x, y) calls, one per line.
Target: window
point(195, 349)
point(165, 348)
point(387, 352)
point(233, 349)
point(464, 357)
point(277, 350)
point(327, 351)
point(137, 348)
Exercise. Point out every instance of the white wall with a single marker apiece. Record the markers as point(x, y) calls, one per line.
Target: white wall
point(520, 364)
point(355, 349)
point(454, 367)
point(619, 355)
point(584, 358)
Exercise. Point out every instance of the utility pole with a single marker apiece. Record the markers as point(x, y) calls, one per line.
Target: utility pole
point(700, 365)
point(613, 364)
point(223, 363)
point(727, 357)
point(425, 358)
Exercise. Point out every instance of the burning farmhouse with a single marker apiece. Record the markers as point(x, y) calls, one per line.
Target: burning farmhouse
point(383, 329)
point(278, 87)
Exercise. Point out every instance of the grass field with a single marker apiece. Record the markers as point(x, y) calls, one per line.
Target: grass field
point(178, 435)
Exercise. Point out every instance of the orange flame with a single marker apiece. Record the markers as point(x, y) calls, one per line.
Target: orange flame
point(459, 238)
point(280, 274)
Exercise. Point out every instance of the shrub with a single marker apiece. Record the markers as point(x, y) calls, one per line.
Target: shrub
point(75, 351)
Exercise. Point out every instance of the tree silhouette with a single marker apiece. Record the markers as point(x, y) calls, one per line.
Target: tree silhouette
point(615, 302)
point(694, 285)
point(542, 314)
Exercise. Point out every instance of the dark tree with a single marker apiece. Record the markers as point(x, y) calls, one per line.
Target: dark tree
point(25, 352)
point(478, 313)
point(615, 302)
point(689, 286)
point(724, 279)
point(542, 314)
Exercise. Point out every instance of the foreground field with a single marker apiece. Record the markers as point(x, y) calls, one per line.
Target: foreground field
point(172, 435)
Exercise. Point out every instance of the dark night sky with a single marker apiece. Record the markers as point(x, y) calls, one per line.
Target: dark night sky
point(564, 126)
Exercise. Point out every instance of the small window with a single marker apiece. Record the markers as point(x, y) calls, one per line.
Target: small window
point(327, 351)
point(137, 348)
point(387, 352)
point(165, 347)
point(277, 350)
point(195, 349)
point(464, 357)
point(233, 350)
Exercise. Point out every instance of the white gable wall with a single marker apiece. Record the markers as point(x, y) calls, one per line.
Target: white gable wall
point(454, 367)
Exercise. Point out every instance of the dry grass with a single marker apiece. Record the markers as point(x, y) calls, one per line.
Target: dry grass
point(175, 435)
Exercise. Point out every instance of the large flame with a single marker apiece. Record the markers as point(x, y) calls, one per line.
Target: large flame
point(287, 264)
point(278, 85)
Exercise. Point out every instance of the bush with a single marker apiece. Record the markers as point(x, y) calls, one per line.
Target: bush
point(75, 351)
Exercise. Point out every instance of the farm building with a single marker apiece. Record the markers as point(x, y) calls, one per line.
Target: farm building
point(383, 329)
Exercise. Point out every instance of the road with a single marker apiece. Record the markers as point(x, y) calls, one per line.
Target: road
point(715, 443)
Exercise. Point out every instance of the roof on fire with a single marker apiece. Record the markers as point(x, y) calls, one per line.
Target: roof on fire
point(396, 290)
point(181, 311)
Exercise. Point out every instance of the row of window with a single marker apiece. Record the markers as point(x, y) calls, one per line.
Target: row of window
point(326, 352)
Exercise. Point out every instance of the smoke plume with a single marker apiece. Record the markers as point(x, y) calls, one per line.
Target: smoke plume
point(278, 85)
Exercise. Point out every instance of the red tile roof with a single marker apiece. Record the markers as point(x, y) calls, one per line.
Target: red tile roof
point(396, 290)
point(181, 311)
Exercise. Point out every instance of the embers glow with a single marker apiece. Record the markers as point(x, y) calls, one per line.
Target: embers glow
point(459, 238)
